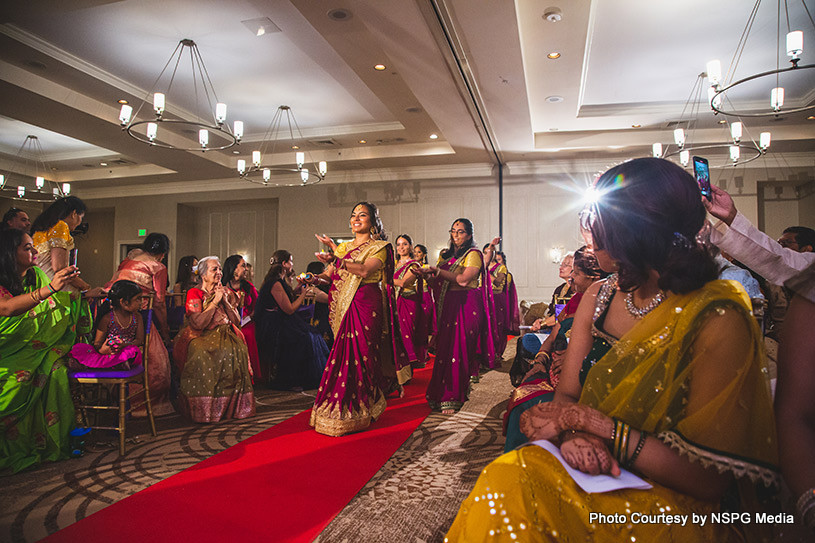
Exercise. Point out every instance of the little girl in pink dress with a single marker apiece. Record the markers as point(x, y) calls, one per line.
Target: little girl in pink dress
point(117, 333)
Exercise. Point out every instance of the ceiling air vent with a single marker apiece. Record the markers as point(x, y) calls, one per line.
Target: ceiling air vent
point(330, 142)
point(121, 162)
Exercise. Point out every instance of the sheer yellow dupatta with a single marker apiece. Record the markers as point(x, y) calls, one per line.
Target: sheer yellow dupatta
point(693, 373)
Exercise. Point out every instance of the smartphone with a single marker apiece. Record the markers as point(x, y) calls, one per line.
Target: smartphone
point(701, 169)
point(73, 257)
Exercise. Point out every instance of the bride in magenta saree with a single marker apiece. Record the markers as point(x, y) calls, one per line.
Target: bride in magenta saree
point(464, 335)
point(410, 302)
point(368, 358)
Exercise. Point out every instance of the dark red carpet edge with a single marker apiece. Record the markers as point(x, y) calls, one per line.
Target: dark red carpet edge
point(283, 484)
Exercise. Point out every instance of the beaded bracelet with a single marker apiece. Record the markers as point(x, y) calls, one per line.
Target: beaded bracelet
point(637, 450)
point(614, 430)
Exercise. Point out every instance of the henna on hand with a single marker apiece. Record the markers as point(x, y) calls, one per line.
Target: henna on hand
point(589, 454)
point(549, 420)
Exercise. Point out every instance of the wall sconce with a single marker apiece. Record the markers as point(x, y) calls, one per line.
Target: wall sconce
point(556, 254)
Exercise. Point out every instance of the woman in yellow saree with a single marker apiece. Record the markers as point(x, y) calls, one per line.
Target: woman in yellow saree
point(682, 398)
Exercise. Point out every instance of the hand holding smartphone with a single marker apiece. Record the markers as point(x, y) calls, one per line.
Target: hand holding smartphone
point(701, 170)
point(73, 257)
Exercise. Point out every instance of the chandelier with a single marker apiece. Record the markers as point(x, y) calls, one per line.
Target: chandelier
point(720, 86)
point(32, 158)
point(283, 127)
point(213, 132)
point(740, 146)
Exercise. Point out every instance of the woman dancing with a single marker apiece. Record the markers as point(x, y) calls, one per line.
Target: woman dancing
point(682, 398)
point(368, 357)
point(410, 302)
point(464, 338)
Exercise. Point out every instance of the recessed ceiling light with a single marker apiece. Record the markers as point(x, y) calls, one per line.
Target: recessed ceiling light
point(434, 136)
point(554, 99)
point(553, 55)
point(380, 67)
point(339, 14)
point(236, 152)
point(363, 141)
point(723, 121)
point(103, 163)
point(122, 101)
point(811, 118)
point(636, 126)
point(295, 147)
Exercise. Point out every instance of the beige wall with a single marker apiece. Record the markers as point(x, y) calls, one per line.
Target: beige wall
point(96, 247)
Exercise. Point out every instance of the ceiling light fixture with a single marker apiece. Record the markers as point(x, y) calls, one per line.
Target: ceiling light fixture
point(31, 159)
point(380, 67)
point(434, 136)
point(636, 126)
point(363, 141)
point(122, 101)
point(212, 122)
point(720, 86)
point(734, 143)
point(282, 127)
point(553, 55)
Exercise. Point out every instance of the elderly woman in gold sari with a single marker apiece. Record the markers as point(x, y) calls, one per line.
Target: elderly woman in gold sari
point(211, 354)
point(681, 398)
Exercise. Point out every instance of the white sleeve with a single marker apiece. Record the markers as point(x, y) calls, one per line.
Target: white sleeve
point(758, 251)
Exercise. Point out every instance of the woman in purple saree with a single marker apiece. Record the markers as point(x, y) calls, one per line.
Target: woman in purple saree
point(368, 358)
point(410, 302)
point(464, 339)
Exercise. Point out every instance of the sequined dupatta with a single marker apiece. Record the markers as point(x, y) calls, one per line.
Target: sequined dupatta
point(693, 373)
point(343, 289)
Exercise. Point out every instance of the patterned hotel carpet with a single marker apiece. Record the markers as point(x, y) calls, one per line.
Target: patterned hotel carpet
point(417, 492)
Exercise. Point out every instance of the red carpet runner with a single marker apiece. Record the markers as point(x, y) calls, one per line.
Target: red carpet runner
point(283, 484)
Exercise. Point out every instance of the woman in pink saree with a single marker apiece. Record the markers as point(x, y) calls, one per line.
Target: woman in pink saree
point(464, 335)
point(143, 266)
point(410, 302)
point(368, 358)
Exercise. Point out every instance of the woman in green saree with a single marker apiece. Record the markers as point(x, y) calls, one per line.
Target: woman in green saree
point(681, 399)
point(36, 329)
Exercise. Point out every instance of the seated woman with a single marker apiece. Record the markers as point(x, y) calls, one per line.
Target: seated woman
point(119, 333)
point(210, 353)
point(541, 379)
point(185, 277)
point(292, 353)
point(682, 398)
point(234, 279)
point(36, 329)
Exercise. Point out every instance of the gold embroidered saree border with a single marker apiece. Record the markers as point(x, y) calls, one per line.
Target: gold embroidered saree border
point(334, 422)
point(348, 283)
point(722, 463)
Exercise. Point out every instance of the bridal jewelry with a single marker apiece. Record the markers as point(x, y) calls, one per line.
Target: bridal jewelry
point(638, 312)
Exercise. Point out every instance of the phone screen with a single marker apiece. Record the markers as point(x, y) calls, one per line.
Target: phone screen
point(73, 257)
point(702, 171)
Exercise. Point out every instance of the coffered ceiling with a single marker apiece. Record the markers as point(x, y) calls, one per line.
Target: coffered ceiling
point(474, 72)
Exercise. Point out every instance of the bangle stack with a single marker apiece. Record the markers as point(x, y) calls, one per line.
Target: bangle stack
point(619, 439)
point(806, 507)
point(52, 289)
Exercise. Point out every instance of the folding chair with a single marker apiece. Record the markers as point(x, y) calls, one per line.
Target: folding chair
point(103, 378)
